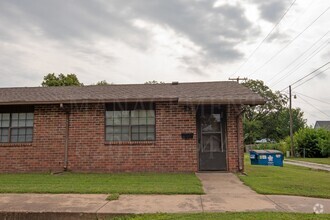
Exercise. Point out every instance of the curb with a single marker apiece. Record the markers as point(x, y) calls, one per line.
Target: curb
point(57, 215)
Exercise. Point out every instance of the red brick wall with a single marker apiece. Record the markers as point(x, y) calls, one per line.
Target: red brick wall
point(232, 149)
point(46, 151)
point(88, 151)
point(169, 153)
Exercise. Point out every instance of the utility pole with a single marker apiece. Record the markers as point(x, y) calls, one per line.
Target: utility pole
point(291, 122)
point(238, 79)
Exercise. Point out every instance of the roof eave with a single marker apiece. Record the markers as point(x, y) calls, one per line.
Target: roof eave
point(91, 101)
point(222, 102)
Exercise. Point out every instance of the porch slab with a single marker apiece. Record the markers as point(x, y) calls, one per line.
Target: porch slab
point(223, 183)
point(225, 192)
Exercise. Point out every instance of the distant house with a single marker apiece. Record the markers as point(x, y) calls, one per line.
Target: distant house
point(322, 124)
point(264, 140)
point(178, 127)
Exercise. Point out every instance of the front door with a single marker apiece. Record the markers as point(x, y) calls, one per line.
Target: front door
point(211, 139)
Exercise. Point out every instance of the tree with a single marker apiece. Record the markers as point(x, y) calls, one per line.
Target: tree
point(252, 130)
point(103, 83)
point(61, 80)
point(277, 124)
point(154, 82)
point(271, 120)
point(275, 100)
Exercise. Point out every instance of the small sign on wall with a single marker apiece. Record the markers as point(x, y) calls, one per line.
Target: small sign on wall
point(187, 136)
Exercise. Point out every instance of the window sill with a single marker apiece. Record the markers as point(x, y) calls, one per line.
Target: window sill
point(130, 143)
point(15, 144)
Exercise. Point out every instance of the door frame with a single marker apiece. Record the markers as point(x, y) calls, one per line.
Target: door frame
point(223, 110)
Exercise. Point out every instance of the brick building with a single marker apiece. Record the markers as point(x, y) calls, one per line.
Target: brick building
point(178, 127)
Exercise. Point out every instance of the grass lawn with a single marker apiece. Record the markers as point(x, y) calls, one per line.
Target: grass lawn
point(287, 180)
point(101, 183)
point(226, 216)
point(314, 160)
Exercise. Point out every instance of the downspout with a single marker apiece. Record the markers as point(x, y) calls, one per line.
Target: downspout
point(240, 161)
point(66, 144)
point(66, 140)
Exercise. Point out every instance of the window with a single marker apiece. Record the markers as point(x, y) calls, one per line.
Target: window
point(130, 123)
point(4, 127)
point(16, 127)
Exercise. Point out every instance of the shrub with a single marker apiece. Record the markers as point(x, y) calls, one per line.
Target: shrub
point(281, 146)
point(315, 142)
point(284, 145)
point(324, 142)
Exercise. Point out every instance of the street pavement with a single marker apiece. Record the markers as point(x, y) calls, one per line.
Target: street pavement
point(315, 166)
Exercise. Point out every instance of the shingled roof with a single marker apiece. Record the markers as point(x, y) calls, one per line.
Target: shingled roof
point(322, 124)
point(224, 92)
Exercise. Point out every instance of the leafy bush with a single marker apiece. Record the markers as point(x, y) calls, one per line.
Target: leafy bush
point(316, 142)
point(266, 146)
point(324, 142)
point(282, 146)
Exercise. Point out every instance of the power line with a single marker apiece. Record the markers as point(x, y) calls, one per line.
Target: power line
point(297, 58)
point(311, 78)
point(315, 107)
point(308, 7)
point(313, 98)
point(308, 103)
point(259, 45)
point(308, 112)
point(310, 73)
point(290, 42)
point(316, 116)
point(307, 75)
point(297, 67)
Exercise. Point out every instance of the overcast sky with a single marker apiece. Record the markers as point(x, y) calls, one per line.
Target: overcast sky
point(134, 41)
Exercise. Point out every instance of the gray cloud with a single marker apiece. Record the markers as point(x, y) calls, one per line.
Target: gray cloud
point(14, 72)
point(216, 30)
point(70, 20)
point(271, 10)
point(194, 65)
point(278, 36)
point(75, 27)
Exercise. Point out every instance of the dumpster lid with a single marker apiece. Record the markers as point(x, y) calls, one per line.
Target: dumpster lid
point(266, 151)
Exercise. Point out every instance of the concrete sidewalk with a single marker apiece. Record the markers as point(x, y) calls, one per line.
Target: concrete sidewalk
point(315, 166)
point(224, 192)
